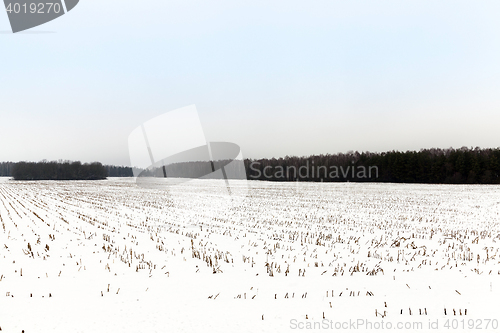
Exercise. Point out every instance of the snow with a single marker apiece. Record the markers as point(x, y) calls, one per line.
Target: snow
point(109, 256)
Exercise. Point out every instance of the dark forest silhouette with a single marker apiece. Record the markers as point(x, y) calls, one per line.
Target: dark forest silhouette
point(433, 166)
point(58, 171)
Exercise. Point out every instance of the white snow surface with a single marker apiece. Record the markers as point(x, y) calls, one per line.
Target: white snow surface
point(109, 256)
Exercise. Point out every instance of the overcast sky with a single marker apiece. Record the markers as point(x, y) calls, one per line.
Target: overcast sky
point(276, 77)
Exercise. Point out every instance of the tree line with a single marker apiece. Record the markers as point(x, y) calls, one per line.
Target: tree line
point(58, 171)
point(112, 170)
point(432, 166)
point(119, 171)
point(6, 169)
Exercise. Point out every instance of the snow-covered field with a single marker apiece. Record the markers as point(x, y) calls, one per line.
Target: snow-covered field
point(108, 256)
